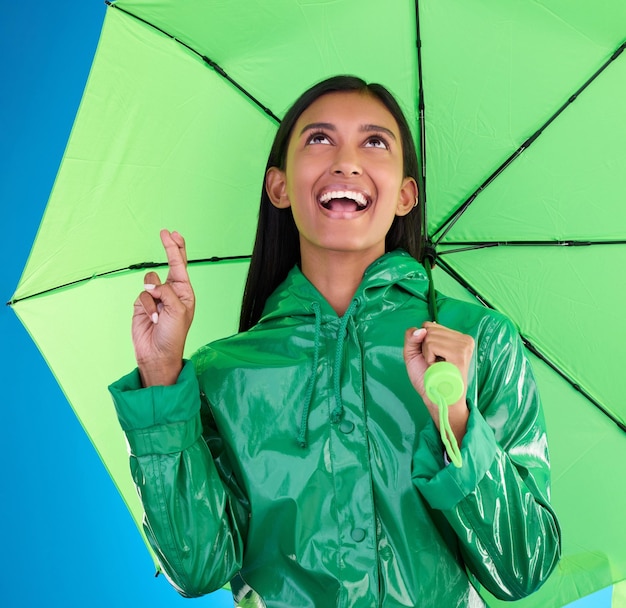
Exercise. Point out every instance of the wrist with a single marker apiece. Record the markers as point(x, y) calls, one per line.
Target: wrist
point(159, 373)
point(459, 416)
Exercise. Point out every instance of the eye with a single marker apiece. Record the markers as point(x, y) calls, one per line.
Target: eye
point(377, 141)
point(318, 138)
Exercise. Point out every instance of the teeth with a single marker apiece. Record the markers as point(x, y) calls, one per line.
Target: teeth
point(357, 197)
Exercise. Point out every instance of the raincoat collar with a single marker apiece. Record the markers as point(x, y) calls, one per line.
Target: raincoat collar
point(296, 295)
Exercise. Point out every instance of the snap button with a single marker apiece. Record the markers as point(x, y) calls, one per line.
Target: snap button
point(358, 534)
point(346, 426)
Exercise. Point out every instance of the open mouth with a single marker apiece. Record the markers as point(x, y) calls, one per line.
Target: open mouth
point(344, 200)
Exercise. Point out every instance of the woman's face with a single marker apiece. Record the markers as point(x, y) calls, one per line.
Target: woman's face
point(343, 176)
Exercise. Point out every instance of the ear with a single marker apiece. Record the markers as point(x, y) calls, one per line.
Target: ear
point(408, 196)
point(276, 188)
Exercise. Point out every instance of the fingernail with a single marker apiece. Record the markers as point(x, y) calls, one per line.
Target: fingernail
point(149, 286)
point(418, 332)
point(160, 307)
point(155, 318)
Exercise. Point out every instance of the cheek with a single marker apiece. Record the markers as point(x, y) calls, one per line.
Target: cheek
point(301, 181)
point(388, 180)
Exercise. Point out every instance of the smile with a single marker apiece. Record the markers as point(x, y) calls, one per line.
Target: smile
point(344, 200)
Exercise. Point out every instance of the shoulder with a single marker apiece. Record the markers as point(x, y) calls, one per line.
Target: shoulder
point(210, 354)
point(485, 325)
point(264, 345)
point(470, 314)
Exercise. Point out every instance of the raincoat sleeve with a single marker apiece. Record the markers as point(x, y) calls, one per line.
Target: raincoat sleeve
point(195, 515)
point(497, 503)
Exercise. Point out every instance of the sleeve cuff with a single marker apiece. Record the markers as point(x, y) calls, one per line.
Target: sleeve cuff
point(141, 408)
point(442, 486)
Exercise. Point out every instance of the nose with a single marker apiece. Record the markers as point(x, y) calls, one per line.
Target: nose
point(346, 162)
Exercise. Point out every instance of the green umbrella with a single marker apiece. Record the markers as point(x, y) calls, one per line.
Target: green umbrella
point(518, 114)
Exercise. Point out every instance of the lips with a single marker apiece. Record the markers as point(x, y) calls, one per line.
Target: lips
point(344, 200)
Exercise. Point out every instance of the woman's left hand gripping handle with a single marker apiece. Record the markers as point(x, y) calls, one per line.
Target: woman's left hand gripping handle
point(162, 315)
point(431, 343)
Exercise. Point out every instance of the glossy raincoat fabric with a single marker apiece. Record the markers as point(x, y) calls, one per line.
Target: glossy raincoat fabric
point(297, 460)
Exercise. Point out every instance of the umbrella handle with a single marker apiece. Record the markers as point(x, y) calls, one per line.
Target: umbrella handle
point(443, 382)
point(444, 386)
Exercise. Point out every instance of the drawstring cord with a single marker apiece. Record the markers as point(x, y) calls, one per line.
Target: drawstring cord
point(309, 393)
point(337, 413)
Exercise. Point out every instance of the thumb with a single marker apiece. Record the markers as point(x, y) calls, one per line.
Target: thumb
point(164, 294)
point(413, 342)
point(416, 364)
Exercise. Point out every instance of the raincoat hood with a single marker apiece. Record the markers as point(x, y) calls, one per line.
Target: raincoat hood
point(297, 298)
point(296, 295)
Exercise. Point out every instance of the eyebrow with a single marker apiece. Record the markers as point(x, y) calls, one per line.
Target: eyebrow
point(363, 128)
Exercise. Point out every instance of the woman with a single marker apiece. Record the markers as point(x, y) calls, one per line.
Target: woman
point(301, 458)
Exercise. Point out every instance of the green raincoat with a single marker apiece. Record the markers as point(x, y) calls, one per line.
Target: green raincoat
point(297, 461)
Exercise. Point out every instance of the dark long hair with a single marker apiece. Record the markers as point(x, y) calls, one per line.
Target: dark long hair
point(277, 245)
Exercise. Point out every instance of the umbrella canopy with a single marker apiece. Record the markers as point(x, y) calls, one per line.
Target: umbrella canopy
point(517, 109)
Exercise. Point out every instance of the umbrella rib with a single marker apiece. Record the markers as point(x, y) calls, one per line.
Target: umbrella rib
point(139, 266)
point(449, 222)
point(474, 245)
point(215, 66)
point(533, 349)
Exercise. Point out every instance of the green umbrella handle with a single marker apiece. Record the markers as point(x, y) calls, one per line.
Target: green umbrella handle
point(444, 386)
point(442, 381)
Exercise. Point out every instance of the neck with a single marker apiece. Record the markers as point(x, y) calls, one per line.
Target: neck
point(336, 274)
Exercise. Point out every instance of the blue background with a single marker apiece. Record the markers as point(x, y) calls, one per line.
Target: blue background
point(67, 538)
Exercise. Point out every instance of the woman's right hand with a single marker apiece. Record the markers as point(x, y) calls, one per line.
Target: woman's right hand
point(162, 316)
